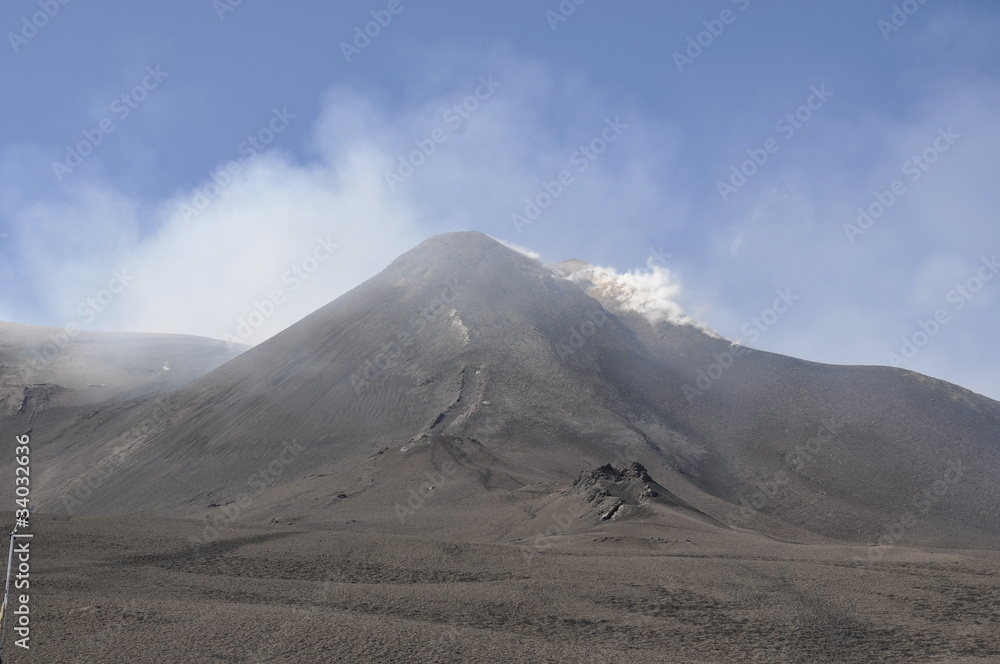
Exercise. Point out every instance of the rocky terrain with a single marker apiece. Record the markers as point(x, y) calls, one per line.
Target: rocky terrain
point(477, 457)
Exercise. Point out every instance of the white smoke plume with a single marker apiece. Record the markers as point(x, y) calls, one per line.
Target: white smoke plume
point(519, 249)
point(651, 292)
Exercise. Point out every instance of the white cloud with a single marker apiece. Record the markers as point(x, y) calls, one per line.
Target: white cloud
point(214, 273)
point(786, 227)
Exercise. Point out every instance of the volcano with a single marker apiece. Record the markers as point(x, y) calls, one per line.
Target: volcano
point(471, 394)
point(523, 376)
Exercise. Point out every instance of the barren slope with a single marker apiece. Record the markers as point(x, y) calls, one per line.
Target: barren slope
point(463, 344)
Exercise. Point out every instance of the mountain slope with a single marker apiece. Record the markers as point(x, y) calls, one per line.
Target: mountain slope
point(62, 387)
point(487, 358)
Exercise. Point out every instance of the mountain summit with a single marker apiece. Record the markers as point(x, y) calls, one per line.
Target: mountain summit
point(473, 378)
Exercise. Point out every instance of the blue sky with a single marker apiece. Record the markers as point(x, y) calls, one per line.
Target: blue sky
point(180, 166)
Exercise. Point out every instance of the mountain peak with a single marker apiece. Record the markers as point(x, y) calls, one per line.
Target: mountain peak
point(469, 353)
point(460, 256)
point(458, 240)
point(570, 266)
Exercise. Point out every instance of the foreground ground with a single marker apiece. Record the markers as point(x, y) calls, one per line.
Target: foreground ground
point(137, 590)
